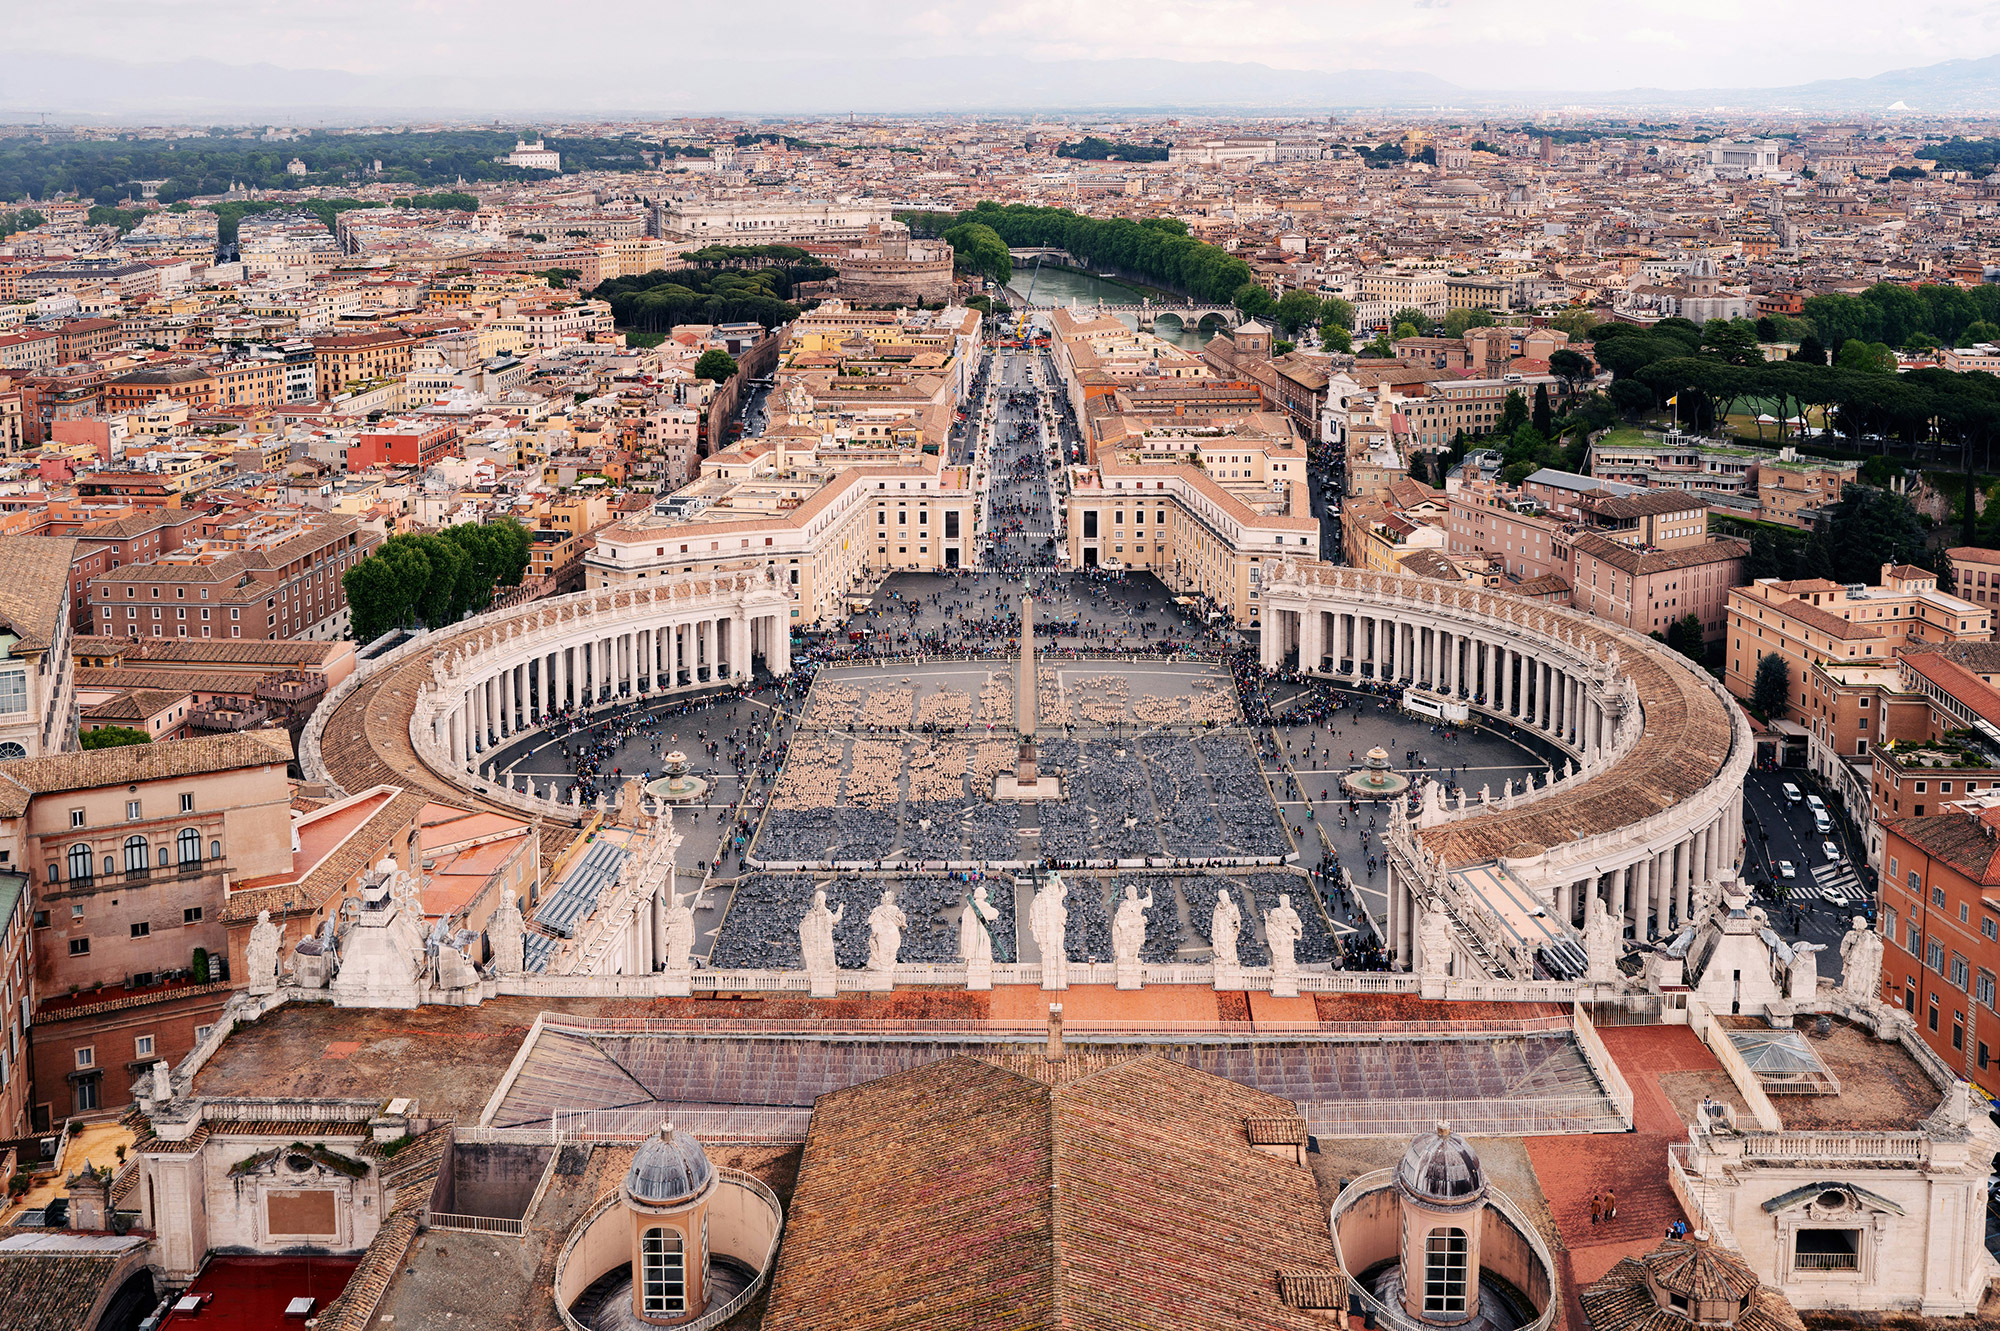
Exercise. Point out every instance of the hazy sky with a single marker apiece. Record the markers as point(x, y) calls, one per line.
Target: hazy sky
point(1529, 44)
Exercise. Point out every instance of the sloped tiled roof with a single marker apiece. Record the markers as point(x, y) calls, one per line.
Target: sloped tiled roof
point(132, 763)
point(34, 594)
point(965, 1194)
point(1622, 1300)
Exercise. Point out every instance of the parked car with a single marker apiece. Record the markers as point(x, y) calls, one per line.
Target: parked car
point(1786, 870)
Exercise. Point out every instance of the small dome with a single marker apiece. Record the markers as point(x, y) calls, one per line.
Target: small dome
point(670, 1168)
point(1697, 1268)
point(1440, 1167)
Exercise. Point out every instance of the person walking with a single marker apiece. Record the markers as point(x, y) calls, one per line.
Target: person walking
point(1596, 1207)
point(1610, 1205)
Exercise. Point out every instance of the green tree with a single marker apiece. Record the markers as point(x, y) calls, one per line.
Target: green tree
point(1577, 322)
point(1771, 687)
point(1254, 301)
point(1414, 318)
point(1981, 331)
point(1513, 413)
point(1334, 310)
point(1296, 309)
point(1544, 415)
point(1335, 337)
point(1631, 397)
point(113, 737)
point(1811, 350)
point(1572, 367)
point(1732, 340)
point(1865, 357)
point(1685, 635)
point(1457, 321)
point(715, 364)
point(1380, 348)
point(978, 248)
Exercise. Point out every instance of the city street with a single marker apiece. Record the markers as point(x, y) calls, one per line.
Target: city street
point(1017, 526)
point(1817, 904)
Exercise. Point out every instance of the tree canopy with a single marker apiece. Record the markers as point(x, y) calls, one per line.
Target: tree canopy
point(977, 248)
point(715, 365)
point(658, 301)
point(1158, 250)
point(434, 578)
point(1094, 149)
point(113, 737)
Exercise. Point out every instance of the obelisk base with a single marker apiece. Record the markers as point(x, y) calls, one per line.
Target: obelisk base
point(1009, 786)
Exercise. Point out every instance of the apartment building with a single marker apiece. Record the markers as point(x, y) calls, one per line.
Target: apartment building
point(344, 360)
point(1973, 574)
point(1405, 289)
point(1811, 619)
point(749, 222)
point(130, 853)
point(1940, 920)
point(38, 707)
point(270, 576)
point(1649, 589)
point(1793, 492)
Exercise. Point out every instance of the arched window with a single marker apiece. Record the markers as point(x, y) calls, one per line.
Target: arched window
point(663, 1287)
point(163, 857)
point(215, 850)
point(10, 749)
point(135, 854)
point(79, 864)
point(110, 865)
point(1444, 1272)
point(188, 845)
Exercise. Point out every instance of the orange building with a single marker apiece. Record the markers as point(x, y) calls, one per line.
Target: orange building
point(1940, 924)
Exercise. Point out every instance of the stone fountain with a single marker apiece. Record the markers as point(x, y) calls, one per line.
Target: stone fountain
point(677, 787)
point(1373, 780)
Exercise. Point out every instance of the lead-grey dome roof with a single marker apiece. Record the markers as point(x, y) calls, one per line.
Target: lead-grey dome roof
point(670, 1167)
point(1440, 1167)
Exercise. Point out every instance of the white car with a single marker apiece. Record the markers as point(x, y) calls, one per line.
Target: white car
point(1785, 869)
point(1831, 851)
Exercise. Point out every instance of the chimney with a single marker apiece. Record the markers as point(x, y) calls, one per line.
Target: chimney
point(1055, 1030)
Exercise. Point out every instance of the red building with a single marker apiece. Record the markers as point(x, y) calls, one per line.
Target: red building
point(403, 443)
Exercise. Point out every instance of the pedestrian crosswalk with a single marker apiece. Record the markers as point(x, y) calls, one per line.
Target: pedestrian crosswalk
point(1839, 884)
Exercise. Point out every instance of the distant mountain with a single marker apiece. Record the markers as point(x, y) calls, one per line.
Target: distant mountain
point(73, 87)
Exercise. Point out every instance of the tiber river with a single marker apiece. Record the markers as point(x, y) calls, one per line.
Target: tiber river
point(1059, 286)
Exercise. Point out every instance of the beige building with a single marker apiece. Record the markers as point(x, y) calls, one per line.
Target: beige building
point(38, 707)
point(1811, 619)
point(130, 852)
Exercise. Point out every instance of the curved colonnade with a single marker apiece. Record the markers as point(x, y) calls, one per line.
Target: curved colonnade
point(431, 712)
point(1654, 808)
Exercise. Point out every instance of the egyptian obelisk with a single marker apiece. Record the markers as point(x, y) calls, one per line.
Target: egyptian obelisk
point(1024, 698)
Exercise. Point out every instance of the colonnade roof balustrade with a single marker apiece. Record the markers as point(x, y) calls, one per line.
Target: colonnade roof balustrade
point(1689, 724)
point(360, 736)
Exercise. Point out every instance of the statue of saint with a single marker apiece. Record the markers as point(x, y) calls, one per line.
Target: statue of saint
point(816, 935)
point(1047, 917)
point(1861, 963)
point(260, 955)
point(1603, 943)
point(1128, 927)
point(1434, 941)
point(677, 930)
point(1802, 975)
point(1282, 930)
point(632, 804)
point(885, 933)
point(1223, 927)
point(507, 936)
point(975, 941)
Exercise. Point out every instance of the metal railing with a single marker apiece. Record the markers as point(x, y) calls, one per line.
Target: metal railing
point(473, 1224)
point(1826, 1261)
point(739, 1028)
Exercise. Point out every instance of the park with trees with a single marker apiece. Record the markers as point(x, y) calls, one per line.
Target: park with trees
point(723, 284)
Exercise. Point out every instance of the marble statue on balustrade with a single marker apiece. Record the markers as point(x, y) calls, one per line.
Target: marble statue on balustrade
point(885, 939)
point(1047, 918)
point(1861, 963)
point(1802, 973)
point(816, 944)
point(260, 956)
point(1223, 926)
point(975, 939)
point(507, 935)
point(1128, 935)
point(1282, 931)
point(1603, 944)
point(1434, 944)
point(632, 804)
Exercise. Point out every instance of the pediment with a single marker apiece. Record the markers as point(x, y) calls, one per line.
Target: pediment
point(1831, 1201)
